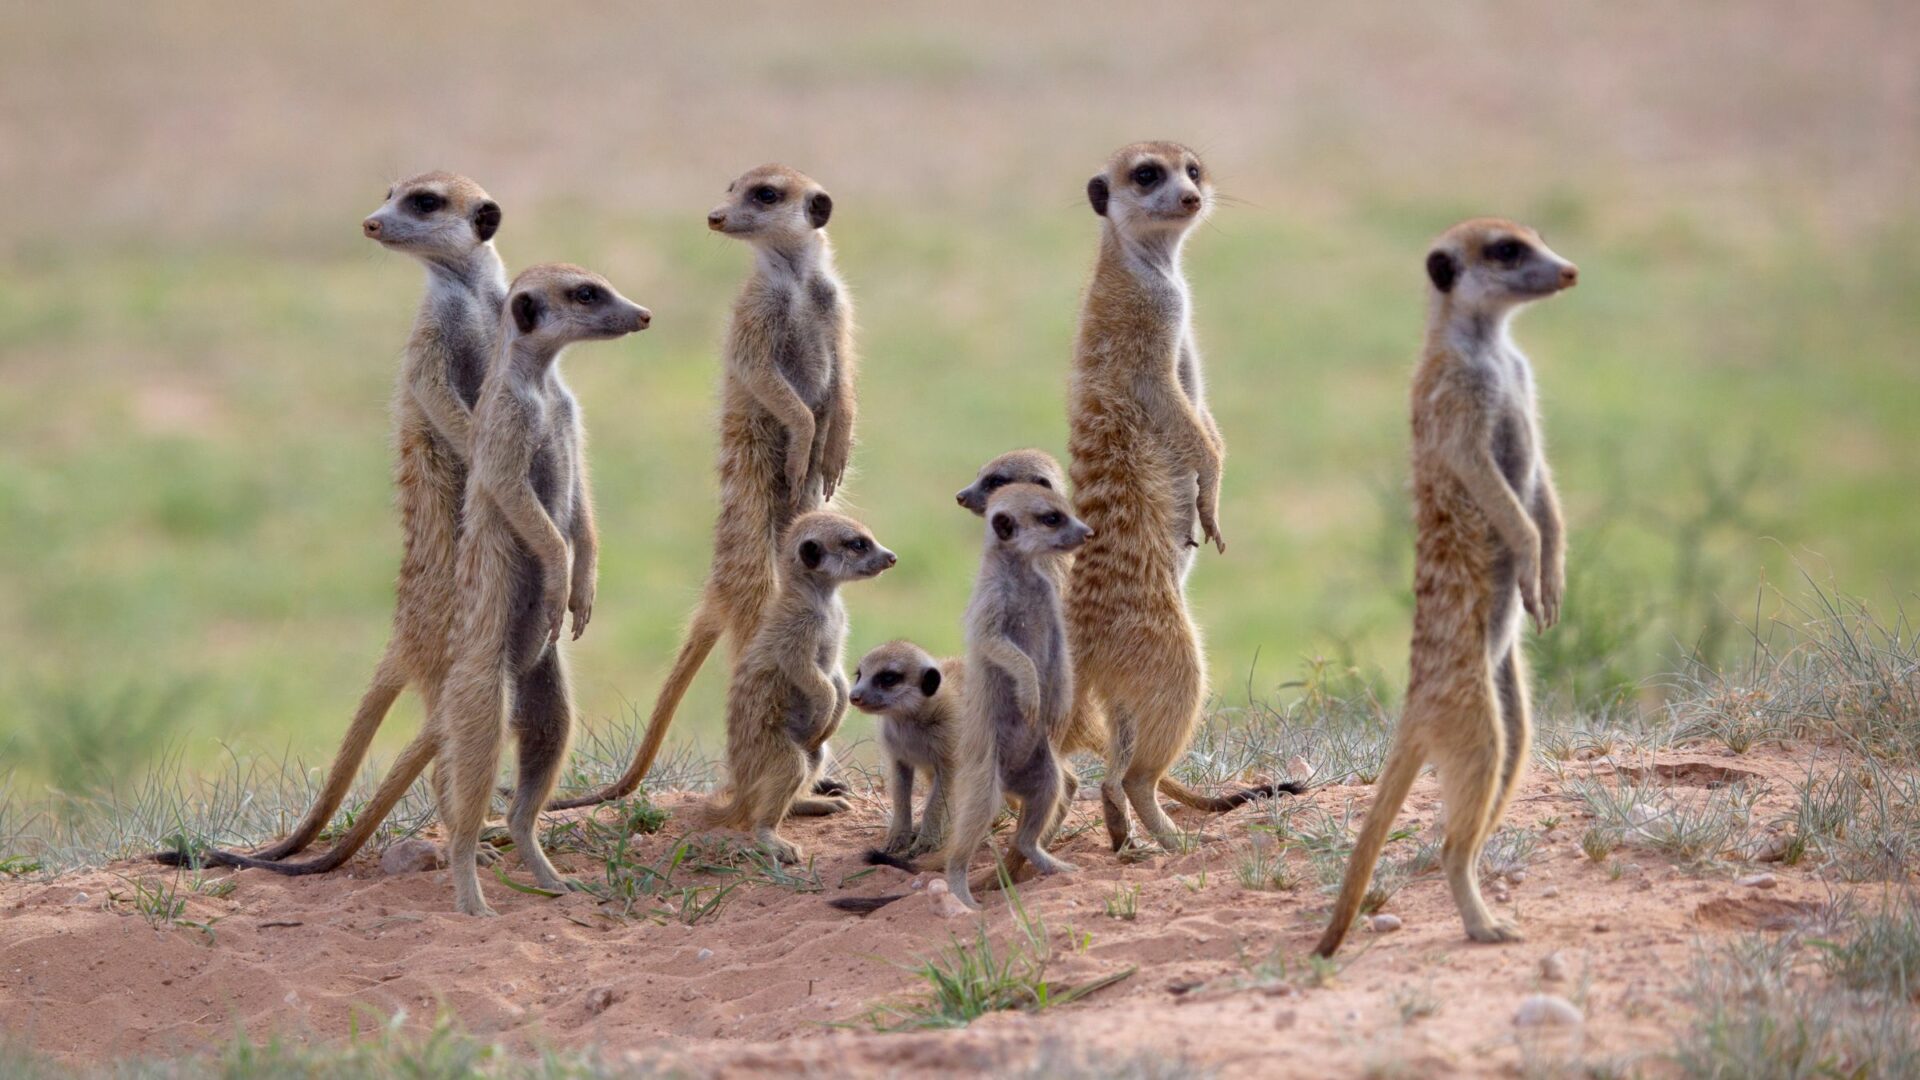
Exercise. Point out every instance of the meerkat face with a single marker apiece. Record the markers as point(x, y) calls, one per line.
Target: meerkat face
point(434, 215)
point(896, 679)
point(561, 303)
point(1016, 467)
point(1495, 264)
point(1033, 522)
point(834, 547)
point(772, 205)
point(1152, 187)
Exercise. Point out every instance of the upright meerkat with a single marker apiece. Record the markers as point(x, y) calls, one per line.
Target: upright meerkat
point(786, 426)
point(527, 558)
point(915, 696)
point(1490, 544)
point(1085, 731)
point(1146, 461)
point(447, 222)
point(788, 694)
point(1019, 684)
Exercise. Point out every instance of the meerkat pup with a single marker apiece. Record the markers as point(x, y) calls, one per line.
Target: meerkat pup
point(786, 425)
point(1490, 544)
point(788, 694)
point(914, 696)
point(1019, 685)
point(448, 223)
point(1146, 470)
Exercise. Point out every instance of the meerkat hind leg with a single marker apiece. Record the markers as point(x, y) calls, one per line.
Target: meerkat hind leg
point(542, 725)
point(1039, 815)
point(470, 758)
point(1469, 761)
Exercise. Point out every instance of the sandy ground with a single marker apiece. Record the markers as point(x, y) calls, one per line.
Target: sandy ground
point(761, 985)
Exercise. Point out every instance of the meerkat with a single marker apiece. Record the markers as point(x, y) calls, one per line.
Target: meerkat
point(1019, 686)
point(527, 558)
point(1490, 544)
point(1146, 464)
point(448, 223)
point(1085, 732)
point(788, 694)
point(915, 696)
point(786, 426)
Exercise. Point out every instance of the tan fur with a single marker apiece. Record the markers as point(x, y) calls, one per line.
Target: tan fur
point(452, 343)
point(786, 426)
point(1146, 461)
point(1490, 534)
point(1019, 688)
point(916, 698)
point(527, 558)
point(788, 695)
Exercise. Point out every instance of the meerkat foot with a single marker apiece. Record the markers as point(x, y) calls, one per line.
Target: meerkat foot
point(815, 806)
point(486, 855)
point(899, 843)
point(924, 843)
point(831, 786)
point(476, 906)
point(1048, 865)
point(1495, 931)
point(780, 849)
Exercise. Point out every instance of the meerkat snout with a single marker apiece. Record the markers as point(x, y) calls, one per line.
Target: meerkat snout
point(717, 220)
point(371, 227)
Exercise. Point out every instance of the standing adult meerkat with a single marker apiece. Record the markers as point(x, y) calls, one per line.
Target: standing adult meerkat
point(1085, 731)
point(788, 694)
point(786, 424)
point(448, 223)
point(1019, 686)
point(526, 559)
point(1490, 544)
point(915, 696)
point(1146, 462)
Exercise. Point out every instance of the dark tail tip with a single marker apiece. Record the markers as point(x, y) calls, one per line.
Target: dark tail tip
point(1264, 791)
point(876, 857)
point(172, 858)
point(864, 905)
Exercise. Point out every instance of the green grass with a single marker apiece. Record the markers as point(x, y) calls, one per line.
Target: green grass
point(199, 543)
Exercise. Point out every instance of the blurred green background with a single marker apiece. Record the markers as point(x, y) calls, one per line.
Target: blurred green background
point(196, 347)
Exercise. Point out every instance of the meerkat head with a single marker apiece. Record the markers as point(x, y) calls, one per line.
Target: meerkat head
point(557, 303)
point(895, 679)
point(1152, 187)
point(1033, 522)
point(833, 547)
point(1488, 264)
point(1013, 467)
point(772, 206)
point(435, 216)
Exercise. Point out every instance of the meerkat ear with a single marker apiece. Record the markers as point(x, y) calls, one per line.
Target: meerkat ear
point(1097, 194)
point(811, 553)
point(819, 209)
point(486, 220)
point(1003, 526)
point(930, 682)
point(527, 310)
point(1442, 270)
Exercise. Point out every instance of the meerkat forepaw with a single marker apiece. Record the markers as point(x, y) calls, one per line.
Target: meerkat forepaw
point(477, 907)
point(1495, 932)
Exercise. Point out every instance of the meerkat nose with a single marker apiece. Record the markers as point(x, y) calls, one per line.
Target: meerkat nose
point(1569, 275)
point(716, 221)
point(642, 318)
point(961, 498)
point(1191, 200)
point(371, 227)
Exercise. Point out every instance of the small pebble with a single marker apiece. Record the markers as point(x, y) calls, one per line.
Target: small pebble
point(78, 898)
point(1546, 1010)
point(1516, 876)
point(1553, 968)
point(598, 1000)
point(1601, 928)
point(703, 954)
point(1385, 924)
point(1550, 891)
point(411, 856)
point(1758, 881)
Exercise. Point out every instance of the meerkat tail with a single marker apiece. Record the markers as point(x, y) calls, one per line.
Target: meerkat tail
point(388, 681)
point(406, 769)
point(1396, 779)
point(1220, 804)
point(864, 905)
point(701, 638)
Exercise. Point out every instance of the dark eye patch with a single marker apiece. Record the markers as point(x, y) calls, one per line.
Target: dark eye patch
point(1053, 519)
point(766, 194)
point(1043, 482)
point(858, 545)
point(1147, 175)
point(586, 295)
point(995, 482)
point(1193, 172)
point(424, 202)
point(887, 680)
point(1506, 251)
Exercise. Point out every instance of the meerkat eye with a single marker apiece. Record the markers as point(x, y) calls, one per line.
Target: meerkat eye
point(1193, 173)
point(1043, 482)
point(586, 295)
point(1147, 175)
point(858, 545)
point(1053, 519)
point(424, 202)
point(1505, 251)
point(994, 482)
point(765, 195)
point(887, 680)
